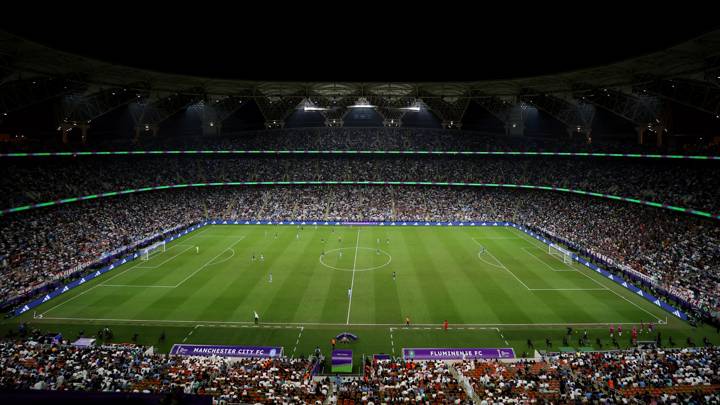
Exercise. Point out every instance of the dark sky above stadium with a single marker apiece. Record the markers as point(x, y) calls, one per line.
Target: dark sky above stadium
point(417, 45)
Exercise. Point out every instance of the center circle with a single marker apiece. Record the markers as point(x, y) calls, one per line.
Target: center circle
point(386, 254)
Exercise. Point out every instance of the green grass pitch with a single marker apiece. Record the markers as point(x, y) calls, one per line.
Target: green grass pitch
point(496, 286)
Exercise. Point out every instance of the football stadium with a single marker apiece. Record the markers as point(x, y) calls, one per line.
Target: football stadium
point(182, 237)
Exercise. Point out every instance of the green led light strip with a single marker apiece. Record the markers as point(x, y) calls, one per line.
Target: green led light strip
point(374, 183)
point(353, 152)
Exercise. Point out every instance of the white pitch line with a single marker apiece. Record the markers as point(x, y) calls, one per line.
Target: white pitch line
point(190, 333)
point(506, 269)
point(297, 341)
point(569, 289)
point(168, 259)
point(209, 262)
point(618, 294)
point(396, 326)
point(502, 265)
point(196, 233)
point(524, 249)
point(352, 282)
point(600, 284)
point(392, 343)
point(137, 286)
point(167, 286)
point(88, 290)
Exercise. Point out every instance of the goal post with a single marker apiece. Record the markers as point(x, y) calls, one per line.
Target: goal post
point(557, 250)
point(151, 250)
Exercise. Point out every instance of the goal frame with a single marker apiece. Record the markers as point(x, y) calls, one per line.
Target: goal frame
point(157, 247)
point(556, 250)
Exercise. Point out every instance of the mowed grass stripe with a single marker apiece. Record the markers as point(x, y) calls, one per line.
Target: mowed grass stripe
point(387, 307)
point(409, 285)
point(429, 265)
point(296, 279)
point(336, 284)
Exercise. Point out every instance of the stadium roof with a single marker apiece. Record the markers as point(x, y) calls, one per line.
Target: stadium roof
point(24, 58)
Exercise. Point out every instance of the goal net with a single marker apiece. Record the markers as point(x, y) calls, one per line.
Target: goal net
point(556, 250)
point(151, 250)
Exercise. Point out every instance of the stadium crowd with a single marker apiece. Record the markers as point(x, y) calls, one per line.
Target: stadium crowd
point(654, 375)
point(35, 365)
point(354, 138)
point(689, 184)
point(403, 382)
point(677, 252)
point(644, 375)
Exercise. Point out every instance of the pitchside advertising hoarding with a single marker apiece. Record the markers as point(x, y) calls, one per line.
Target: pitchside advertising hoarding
point(341, 361)
point(439, 353)
point(226, 351)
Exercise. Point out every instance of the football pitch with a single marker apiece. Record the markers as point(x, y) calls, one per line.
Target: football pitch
point(496, 287)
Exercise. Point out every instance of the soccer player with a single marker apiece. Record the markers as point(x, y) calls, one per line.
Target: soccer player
point(377, 252)
point(642, 326)
point(394, 275)
point(297, 235)
point(650, 327)
point(270, 278)
point(619, 329)
point(340, 253)
point(262, 258)
point(322, 254)
point(407, 321)
point(253, 257)
point(349, 292)
point(387, 241)
point(257, 317)
point(197, 249)
point(612, 331)
point(339, 239)
point(445, 325)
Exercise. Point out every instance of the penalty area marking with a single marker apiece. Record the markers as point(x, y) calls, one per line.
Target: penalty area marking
point(502, 265)
point(482, 259)
point(231, 250)
point(194, 234)
point(168, 259)
point(537, 243)
point(569, 269)
point(389, 260)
